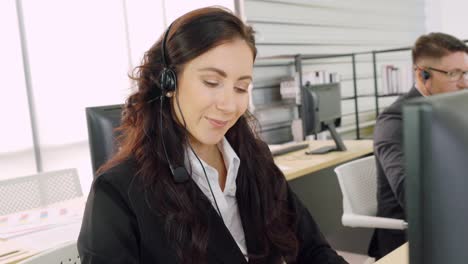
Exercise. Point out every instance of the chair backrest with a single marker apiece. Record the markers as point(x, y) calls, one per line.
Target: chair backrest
point(358, 183)
point(63, 254)
point(39, 190)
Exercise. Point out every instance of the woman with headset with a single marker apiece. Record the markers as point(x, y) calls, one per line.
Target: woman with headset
point(191, 182)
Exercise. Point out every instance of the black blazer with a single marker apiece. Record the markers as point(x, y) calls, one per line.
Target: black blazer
point(388, 150)
point(119, 227)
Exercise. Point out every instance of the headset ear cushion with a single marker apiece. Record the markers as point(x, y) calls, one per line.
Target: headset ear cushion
point(168, 80)
point(425, 75)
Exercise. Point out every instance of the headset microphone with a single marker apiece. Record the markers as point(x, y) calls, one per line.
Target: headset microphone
point(179, 174)
point(426, 75)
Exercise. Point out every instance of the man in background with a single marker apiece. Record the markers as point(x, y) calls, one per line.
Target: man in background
point(440, 64)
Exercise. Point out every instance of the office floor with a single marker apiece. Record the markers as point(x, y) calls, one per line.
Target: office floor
point(354, 258)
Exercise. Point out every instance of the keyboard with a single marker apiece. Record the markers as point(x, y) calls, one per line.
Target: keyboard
point(288, 149)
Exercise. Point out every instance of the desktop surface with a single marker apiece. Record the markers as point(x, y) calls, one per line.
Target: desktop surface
point(297, 163)
point(397, 256)
point(16, 248)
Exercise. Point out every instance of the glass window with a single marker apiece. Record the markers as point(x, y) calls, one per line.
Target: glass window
point(78, 58)
point(16, 147)
point(145, 26)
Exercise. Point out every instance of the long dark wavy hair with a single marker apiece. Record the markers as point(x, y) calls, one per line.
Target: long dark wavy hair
point(261, 187)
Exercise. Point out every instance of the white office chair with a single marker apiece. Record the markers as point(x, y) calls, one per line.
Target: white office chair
point(39, 190)
point(358, 183)
point(63, 254)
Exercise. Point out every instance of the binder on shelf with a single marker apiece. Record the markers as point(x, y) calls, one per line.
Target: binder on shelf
point(290, 88)
point(396, 80)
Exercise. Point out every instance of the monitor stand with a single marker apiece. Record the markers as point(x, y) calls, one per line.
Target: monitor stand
point(339, 145)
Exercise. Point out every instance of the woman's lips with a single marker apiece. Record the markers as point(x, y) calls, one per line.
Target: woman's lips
point(217, 123)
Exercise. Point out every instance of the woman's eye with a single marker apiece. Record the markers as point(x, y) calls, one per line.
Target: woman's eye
point(241, 89)
point(211, 83)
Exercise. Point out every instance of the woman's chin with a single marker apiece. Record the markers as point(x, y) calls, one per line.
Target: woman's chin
point(210, 138)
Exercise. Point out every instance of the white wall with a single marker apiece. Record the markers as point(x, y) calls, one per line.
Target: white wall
point(448, 16)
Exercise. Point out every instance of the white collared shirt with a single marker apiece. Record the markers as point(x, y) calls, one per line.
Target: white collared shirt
point(226, 199)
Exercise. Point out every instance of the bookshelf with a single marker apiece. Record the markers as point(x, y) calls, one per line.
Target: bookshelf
point(376, 85)
point(297, 62)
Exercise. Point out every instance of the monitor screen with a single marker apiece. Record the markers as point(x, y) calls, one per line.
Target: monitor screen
point(436, 153)
point(322, 104)
point(322, 111)
point(102, 121)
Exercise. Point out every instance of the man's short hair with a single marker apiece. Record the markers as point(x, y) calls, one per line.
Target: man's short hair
point(436, 45)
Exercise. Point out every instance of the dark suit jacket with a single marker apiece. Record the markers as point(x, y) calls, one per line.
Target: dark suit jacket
point(119, 227)
point(388, 150)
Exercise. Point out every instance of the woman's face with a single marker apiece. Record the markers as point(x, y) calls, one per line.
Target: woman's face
point(213, 91)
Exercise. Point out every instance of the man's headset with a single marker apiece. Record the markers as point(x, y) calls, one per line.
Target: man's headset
point(425, 75)
point(168, 84)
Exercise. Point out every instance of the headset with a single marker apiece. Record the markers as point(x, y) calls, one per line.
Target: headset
point(168, 84)
point(425, 75)
point(168, 77)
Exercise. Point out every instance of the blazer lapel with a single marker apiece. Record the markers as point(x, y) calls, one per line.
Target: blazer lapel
point(249, 233)
point(221, 243)
point(254, 247)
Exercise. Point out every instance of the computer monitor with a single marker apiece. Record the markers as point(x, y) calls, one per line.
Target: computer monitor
point(322, 105)
point(102, 121)
point(436, 154)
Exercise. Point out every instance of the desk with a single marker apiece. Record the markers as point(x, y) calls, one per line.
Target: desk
point(397, 256)
point(35, 242)
point(297, 164)
point(312, 178)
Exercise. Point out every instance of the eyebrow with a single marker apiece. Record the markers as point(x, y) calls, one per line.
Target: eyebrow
point(224, 74)
point(458, 69)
